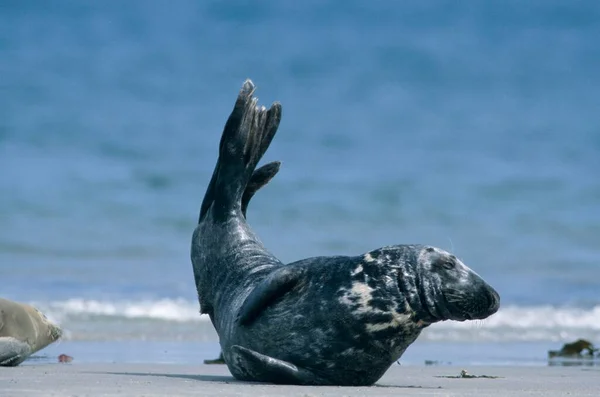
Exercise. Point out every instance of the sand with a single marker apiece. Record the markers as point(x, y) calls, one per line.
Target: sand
point(204, 380)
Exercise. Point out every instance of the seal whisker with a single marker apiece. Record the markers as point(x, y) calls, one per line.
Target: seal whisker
point(451, 244)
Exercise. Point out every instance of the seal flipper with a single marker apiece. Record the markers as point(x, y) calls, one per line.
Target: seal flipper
point(259, 178)
point(13, 351)
point(218, 360)
point(263, 368)
point(274, 286)
point(246, 137)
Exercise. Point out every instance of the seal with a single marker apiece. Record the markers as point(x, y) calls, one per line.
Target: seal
point(341, 320)
point(24, 330)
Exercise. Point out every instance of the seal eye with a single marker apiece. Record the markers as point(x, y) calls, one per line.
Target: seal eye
point(448, 265)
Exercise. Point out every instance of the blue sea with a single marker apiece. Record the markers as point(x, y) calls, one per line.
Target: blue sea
point(473, 126)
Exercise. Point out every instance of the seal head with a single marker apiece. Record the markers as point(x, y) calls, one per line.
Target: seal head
point(440, 287)
point(24, 330)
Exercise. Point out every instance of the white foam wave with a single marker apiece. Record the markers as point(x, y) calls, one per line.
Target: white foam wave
point(179, 310)
point(516, 323)
point(538, 317)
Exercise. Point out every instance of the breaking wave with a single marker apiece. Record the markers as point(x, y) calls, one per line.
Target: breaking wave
point(517, 323)
point(179, 310)
point(511, 323)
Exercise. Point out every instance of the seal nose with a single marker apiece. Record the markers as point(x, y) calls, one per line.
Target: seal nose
point(488, 302)
point(493, 299)
point(55, 332)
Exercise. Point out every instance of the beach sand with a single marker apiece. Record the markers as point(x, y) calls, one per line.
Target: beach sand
point(204, 380)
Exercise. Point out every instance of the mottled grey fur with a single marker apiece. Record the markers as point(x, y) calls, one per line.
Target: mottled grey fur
point(325, 321)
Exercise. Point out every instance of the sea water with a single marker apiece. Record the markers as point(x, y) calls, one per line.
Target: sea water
point(472, 126)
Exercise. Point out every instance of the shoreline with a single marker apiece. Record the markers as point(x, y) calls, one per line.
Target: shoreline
point(182, 380)
point(420, 353)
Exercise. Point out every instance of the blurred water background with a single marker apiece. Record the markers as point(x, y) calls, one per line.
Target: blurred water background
point(473, 126)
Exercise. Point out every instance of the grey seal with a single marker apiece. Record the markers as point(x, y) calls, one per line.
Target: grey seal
point(340, 320)
point(24, 330)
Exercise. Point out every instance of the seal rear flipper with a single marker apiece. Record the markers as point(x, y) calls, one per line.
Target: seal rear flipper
point(277, 284)
point(246, 137)
point(261, 368)
point(259, 178)
point(13, 351)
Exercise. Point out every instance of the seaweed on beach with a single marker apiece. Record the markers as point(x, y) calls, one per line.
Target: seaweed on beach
point(579, 353)
point(465, 375)
point(581, 348)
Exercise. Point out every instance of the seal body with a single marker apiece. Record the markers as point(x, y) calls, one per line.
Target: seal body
point(341, 320)
point(24, 330)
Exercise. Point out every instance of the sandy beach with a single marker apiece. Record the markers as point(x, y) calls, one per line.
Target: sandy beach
point(203, 380)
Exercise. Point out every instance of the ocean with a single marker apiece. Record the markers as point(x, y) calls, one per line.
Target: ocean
point(471, 126)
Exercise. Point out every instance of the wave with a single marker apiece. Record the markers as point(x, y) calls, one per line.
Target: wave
point(539, 317)
point(180, 310)
point(523, 323)
point(516, 323)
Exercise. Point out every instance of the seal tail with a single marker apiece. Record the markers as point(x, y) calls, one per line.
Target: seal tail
point(246, 137)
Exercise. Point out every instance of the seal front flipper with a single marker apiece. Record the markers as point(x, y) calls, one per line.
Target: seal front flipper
point(218, 360)
point(261, 368)
point(13, 351)
point(277, 284)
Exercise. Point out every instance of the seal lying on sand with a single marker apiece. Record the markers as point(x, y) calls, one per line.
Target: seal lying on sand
point(341, 320)
point(24, 330)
